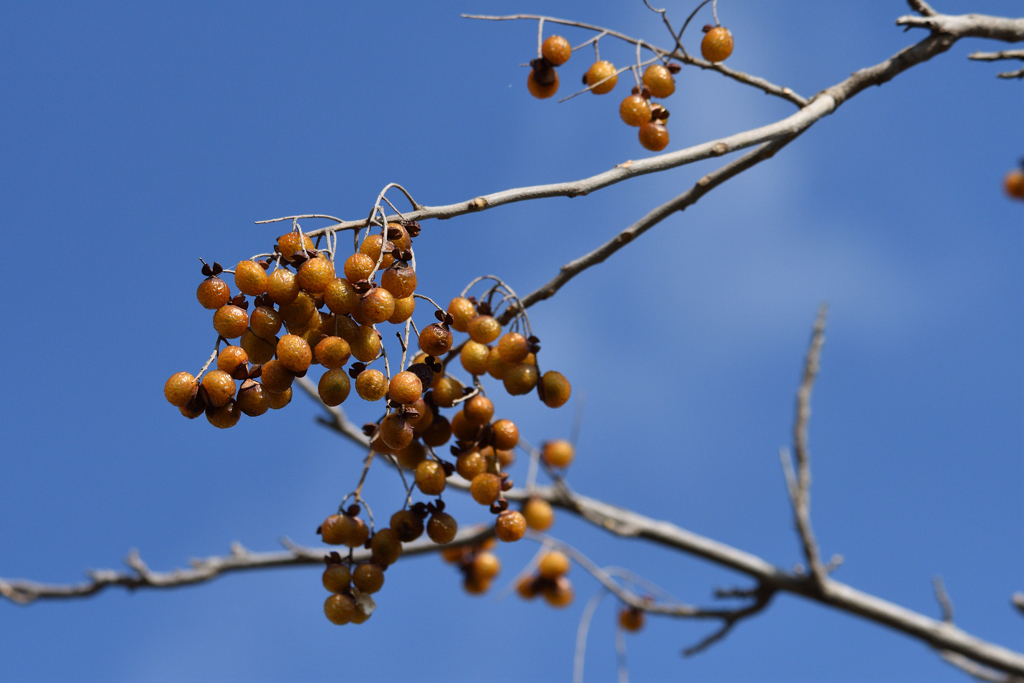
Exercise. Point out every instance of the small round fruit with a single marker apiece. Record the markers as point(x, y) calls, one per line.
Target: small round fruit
point(405, 387)
point(258, 349)
point(505, 434)
point(485, 488)
point(395, 430)
point(631, 619)
point(294, 353)
point(520, 379)
point(352, 530)
point(654, 136)
point(213, 293)
point(560, 593)
point(539, 515)
point(291, 242)
point(462, 310)
point(539, 90)
point(365, 343)
point(470, 464)
point(340, 297)
point(430, 477)
point(407, 525)
point(385, 546)
point(377, 305)
point(276, 378)
point(265, 322)
point(553, 564)
point(299, 311)
point(340, 609)
point(474, 357)
point(484, 329)
point(371, 385)
point(510, 526)
point(230, 321)
point(337, 578)
point(485, 566)
point(513, 348)
point(399, 236)
point(425, 418)
point(463, 429)
point(505, 456)
point(438, 433)
point(478, 410)
point(225, 416)
point(442, 528)
point(474, 585)
point(334, 387)
point(282, 287)
point(332, 352)
point(601, 77)
point(717, 44)
point(315, 274)
point(412, 455)
point(358, 266)
point(179, 388)
point(220, 388)
point(527, 588)
point(446, 391)
point(231, 358)
point(635, 110)
point(371, 247)
point(435, 340)
point(554, 389)
point(1013, 183)
point(252, 399)
point(659, 81)
point(250, 278)
point(404, 309)
point(360, 617)
point(496, 367)
point(399, 280)
point(368, 577)
point(278, 401)
point(558, 453)
point(556, 50)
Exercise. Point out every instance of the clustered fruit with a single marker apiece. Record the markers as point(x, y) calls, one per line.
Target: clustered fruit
point(549, 581)
point(304, 314)
point(636, 110)
point(1013, 183)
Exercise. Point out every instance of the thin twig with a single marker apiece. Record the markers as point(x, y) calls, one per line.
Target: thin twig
point(943, 598)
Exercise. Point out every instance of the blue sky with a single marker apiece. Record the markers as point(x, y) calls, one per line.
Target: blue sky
point(136, 138)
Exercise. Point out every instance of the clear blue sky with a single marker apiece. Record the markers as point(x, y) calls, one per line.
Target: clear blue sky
point(138, 137)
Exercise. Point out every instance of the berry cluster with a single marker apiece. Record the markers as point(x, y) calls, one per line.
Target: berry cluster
point(305, 314)
point(549, 580)
point(636, 110)
point(479, 566)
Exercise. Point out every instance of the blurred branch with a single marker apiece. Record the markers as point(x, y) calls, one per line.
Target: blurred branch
point(1005, 54)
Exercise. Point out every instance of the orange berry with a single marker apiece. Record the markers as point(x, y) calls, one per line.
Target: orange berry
point(334, 387)
point(365, 343)
point(527, 588)
point(496, 367)
point(407, 525)
point(539, 90)
point(539, 515)
point(554, 389)
point(230, 321)
point(478, 410)
point(654, 136)
point(631, 619)
point(223, 417)
point(405, 387)
point(377, 305)
point(315, 274)
point(294, 353)
point(474, 357)
point(438, 433)
point(430, 477)
point(485, 488)
point(520, 379)
point(513, 348)
point(252, 400)
point(399, 280)
point(257, 349)
point(340, 609)
point(332, 352)
point(470, 464)
point(601, 77)
point(340, 297)
point(344, 530)
point(368, 577)
point(560, 593)
point(297, 314)
point(435, 340)
point(250, 278)
point(265, 322)
point(231, 358)
point(291, 242)
point(474, 585)
point(220, 388)
point(371, 247)
point(371, 385)
point(463, 429)
point(336, 578)
point(717, 44)
point(506, 434)
point(553, 564)
point(1014, 183)
point(403, 310)
point(558, 453)
point(386, 547)
point(485, 566)
point(505, 456)
point(276, 377)
point(446, 391)
point(179, 388)
point(462, 310)
point(510, 526)
point(358, 266)
point(395, 430)
point(556, 50)
point(412, 455)
point(282, 287)
point(213, 293)
point(659, 81)
point(360, 617)
point(442, 528)
point(635, 110)
point(278, 401)
point(484, 329)
point(399, 236)
point(426, 415)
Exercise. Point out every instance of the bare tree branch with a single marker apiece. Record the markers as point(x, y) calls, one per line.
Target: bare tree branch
point(969, 26)
point(943, 597)
point(982, 673)
point(995, 56)
point(1018, 602)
